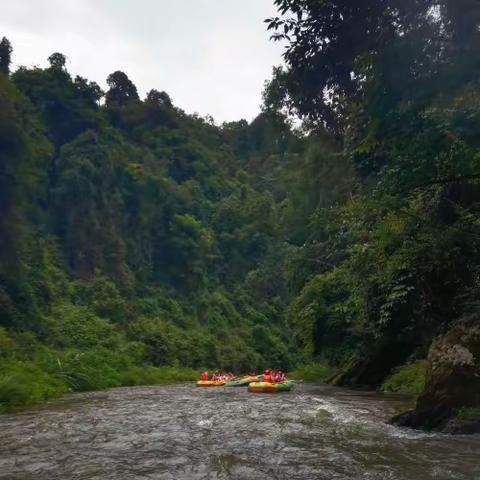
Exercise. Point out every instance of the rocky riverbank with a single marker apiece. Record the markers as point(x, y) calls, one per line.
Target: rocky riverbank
point(450, 402)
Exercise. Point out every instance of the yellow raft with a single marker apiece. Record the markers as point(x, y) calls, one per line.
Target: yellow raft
point(243, 382)
point(210, 383)
point(267, 387)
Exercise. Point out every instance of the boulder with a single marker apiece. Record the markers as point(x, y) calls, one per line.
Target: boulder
point(453, 382)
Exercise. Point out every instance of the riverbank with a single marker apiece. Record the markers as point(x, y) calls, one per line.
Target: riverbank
point(50, 375)
point(406, 379)
point(24, 383)
point(450, 401)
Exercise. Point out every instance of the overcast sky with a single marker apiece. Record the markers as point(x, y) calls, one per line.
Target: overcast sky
point(211, 56)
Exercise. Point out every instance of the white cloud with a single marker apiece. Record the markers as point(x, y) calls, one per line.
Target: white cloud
point(211, 56)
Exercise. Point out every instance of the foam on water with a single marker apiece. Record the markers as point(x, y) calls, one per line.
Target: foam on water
point(181, 432)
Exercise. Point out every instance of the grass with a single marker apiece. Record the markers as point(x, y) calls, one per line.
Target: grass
point(149, 375)
point(23, 384)
point(27, 383)
point(313, 372)
point(470, 413)
point(408, 379)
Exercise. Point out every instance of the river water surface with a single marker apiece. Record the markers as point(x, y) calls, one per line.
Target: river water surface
point(182, 432)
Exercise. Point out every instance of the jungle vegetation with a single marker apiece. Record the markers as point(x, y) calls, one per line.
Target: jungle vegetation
point(339, 228)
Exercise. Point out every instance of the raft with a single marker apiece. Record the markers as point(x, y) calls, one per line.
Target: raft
point(266, 387)
point(242, 382)
point(210, 383)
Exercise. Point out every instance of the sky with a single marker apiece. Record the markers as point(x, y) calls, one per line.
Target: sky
point(211, 56)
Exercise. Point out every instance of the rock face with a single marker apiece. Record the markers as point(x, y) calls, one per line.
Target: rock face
point(453, 382)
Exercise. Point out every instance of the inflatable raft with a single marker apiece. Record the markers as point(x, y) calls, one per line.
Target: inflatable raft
point(242, 382)
point(210, 383)
point(266, 387)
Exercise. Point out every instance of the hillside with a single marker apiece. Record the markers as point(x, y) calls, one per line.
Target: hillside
point(135, 234)
point(138, 240)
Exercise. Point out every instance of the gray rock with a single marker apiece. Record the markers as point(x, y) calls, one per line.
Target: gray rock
point(453, 381)
point(462, 427)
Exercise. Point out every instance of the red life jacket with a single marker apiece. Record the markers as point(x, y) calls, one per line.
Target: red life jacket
point(268, 378)
point(204, 376)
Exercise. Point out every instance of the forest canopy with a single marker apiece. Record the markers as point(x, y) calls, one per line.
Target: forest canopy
point(136, 237)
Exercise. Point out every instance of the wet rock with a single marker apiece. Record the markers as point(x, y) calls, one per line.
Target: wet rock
point(453, 382)
point(462, 427)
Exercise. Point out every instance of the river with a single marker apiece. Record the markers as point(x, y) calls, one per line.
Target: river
point(182, 432)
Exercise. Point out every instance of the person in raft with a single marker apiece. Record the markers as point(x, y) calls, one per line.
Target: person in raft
point(204, 376)
point(267, 376)
point(279, 376)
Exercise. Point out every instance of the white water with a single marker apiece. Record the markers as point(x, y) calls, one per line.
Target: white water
point(183, 432)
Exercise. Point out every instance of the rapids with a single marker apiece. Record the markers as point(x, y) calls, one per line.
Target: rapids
point(183, 432)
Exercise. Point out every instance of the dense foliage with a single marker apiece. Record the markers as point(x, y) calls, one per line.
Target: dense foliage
point(396, 261)
point(135, 238)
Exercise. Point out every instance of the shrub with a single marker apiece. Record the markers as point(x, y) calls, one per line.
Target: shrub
point(92, 369)
point(468, 413)
point(77, 326)
point(323, 315)
point(102, 295)
point(157, 335)
point(409, 378)
point(8, 346)
point(24, 383)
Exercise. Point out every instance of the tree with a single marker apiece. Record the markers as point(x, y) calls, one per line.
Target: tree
point(391, 80)
point(121, 89)
point(159, 98)
point(68, 107)
point(5, 55)
point(380, 52)
point(57, 61)
point(89, 90)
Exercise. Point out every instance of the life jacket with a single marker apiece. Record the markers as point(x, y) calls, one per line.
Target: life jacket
point(204, 376)
point(267, 378)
